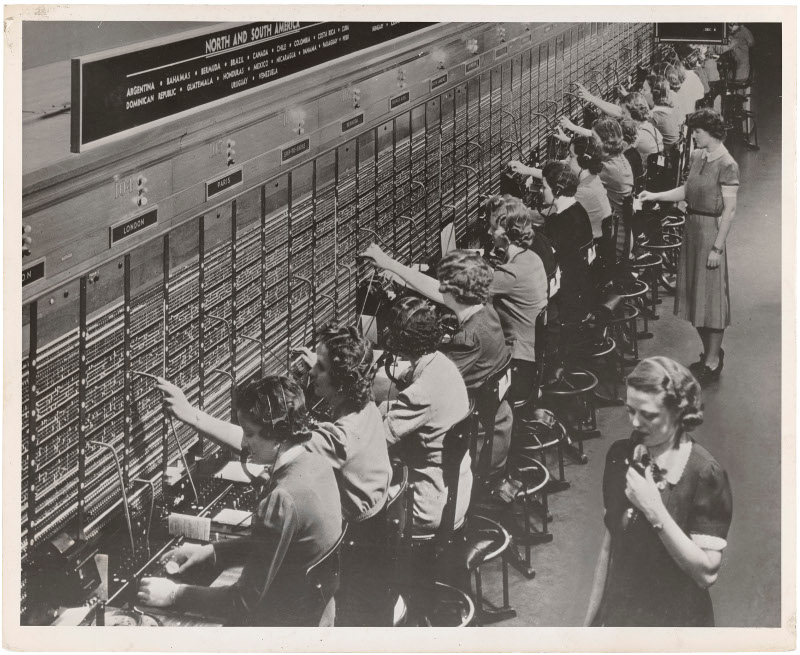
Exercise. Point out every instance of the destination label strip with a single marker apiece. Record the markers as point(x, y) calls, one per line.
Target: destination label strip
point(398, 100)
point(352, 122)
point(295, 149)
point(131, 226)
point(439, 80)
point(229, 180)
point(119, 93)
point(32, 273)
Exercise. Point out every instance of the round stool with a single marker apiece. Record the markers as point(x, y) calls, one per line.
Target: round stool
point(486, 540)
point(538, 433)
point(624, 331)
point(572, 396)
point(452, 608)
point(669, 251)
point(633, 291)
point(673, 224)
point(603, 353)
point(649, 265)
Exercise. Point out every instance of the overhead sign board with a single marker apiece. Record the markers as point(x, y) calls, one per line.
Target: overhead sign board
point(122, 91)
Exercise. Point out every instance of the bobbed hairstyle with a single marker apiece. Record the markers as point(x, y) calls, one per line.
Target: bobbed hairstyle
point(660, 90)
point(637, 106)
point(517, 222)
point(278, 403)
point(496, 205)
point(672, 71)
point(414, 329)
point(610, 134)
point(560, 178)
point(630, 130)
point(588, 153)
point(466, 275)
point(708, 120)
point(681, 391)
point(350, 358)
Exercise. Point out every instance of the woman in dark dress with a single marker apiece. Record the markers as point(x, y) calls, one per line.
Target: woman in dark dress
point(569, 230)
point(666, 528)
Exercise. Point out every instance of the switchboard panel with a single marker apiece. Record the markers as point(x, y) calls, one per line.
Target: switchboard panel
point(219, 290)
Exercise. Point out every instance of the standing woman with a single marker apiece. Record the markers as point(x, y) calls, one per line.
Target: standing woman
point(668, 508)
point(702, 295)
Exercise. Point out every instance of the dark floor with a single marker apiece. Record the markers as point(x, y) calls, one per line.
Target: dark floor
point(742, 418)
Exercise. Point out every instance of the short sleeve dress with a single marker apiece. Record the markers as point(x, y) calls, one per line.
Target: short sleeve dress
point(703, 296)
point(645, 587)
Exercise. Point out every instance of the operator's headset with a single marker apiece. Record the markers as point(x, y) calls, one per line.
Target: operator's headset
point(279, 425)
point(393, 339)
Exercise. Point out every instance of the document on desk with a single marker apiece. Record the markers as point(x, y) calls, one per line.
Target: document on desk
point(191, 527)
point(234, 517)
point(233, 472)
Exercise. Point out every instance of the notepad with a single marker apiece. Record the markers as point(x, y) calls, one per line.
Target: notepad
point(234, 517)
point(232, 471)
point(191, 527)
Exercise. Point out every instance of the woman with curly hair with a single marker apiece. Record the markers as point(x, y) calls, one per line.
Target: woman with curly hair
point(663, 114)
point(342, 372)
point(478, 348)
point(568, 228)
point(297, 521)
point(649, 141)
point(518, 290)
point(702, 295)
point(585, 160)
point(432, 398)
point(668, 508)
point(616, 174)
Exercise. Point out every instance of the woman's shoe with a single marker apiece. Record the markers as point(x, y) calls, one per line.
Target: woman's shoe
point(707, 375)
point(697, 366)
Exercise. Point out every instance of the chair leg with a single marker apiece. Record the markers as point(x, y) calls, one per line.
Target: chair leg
point(486, 613)
point(516, 561)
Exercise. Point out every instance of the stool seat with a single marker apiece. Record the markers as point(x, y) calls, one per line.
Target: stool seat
point(531, 475)
point(630, 288)
point(595, 349)
point(571, 383)
point(453, 608)
point(539, 431)
point(646, 260)
point(484, 539)
point(628, 312)
point(673, 221)
point(670, 242)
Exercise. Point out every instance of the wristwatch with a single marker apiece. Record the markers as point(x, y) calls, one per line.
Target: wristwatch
point(716, 250)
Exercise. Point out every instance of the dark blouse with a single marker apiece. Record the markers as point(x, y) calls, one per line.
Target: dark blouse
point(569, 231)
point(644, 585)
point(479, 347)
point(298, 521)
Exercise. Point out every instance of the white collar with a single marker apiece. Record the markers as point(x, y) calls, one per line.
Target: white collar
point(563, 203)
point(677, 461)
point(719, 152)
point(663, 109)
